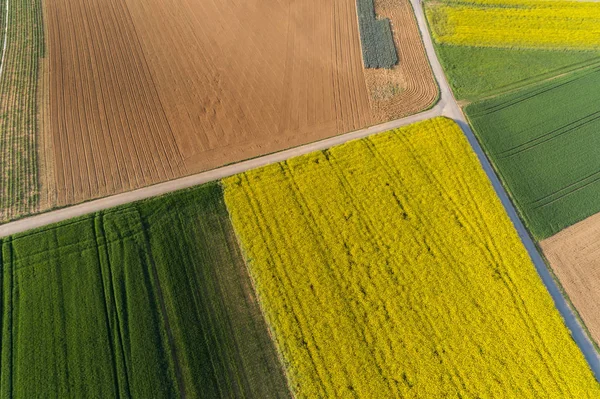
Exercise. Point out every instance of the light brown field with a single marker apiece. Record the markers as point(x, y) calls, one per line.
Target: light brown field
point(145, 91)
point(574, 255)
point(409, 87)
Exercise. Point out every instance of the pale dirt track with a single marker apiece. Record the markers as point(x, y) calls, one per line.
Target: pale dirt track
point(447, 106)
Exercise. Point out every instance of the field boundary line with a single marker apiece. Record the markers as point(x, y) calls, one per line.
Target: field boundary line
point(5, 38)
point(59, 215)
point(163, 311)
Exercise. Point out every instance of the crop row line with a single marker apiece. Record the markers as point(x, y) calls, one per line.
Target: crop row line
point(514, 100)
point(551, 135)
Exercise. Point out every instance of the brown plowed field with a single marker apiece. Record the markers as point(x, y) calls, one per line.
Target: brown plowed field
point(143, 91)
point(109, 128)
point(574, 255)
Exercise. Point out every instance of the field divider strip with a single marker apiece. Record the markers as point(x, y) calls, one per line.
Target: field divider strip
point(5, 38)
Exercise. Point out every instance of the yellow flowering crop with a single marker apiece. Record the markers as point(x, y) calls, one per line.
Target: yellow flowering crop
point(527, 24)
point(387, 267)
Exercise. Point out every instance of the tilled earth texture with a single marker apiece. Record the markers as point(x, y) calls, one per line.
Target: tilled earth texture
point(146, 91)
point(573, 255)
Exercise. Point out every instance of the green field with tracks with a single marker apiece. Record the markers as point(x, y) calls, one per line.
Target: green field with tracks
point(149, 300)
point(544, 143)
point(478, 72)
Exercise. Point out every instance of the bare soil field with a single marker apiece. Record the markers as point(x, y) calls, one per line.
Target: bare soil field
point(408, 87)
point(109, 129)
point(574, 255)
point(146, 91)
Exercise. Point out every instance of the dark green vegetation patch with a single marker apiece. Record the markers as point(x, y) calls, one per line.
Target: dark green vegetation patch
point(545, 143)
point(478, 72)
point(149, 300)
point(376, 37)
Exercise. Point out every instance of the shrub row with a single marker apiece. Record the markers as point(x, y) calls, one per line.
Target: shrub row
point(376, 37)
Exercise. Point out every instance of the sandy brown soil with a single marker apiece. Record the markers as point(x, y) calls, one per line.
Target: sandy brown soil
point(109, 128)
point(146, 91)
point(410, 86)
point(574, 255)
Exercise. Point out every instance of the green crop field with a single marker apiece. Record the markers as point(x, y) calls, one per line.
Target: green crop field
point(376, 37)
point(19, 183)
point(544, 142)
point(477, 72)
point(149, 300)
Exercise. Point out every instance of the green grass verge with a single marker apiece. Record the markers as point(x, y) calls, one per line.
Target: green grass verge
point(478, 72)
point(544, 141)
point(146, 300)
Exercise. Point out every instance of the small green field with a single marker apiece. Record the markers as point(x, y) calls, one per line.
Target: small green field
point(19, 141)
point(478, 72)
point(149, 300)
point(544, 142)
point(376, 38)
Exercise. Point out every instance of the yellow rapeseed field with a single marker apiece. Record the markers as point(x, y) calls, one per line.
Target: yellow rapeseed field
point(387, 267)
point(510, 23)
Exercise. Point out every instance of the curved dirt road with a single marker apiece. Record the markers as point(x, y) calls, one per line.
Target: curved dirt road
point(447, 106)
